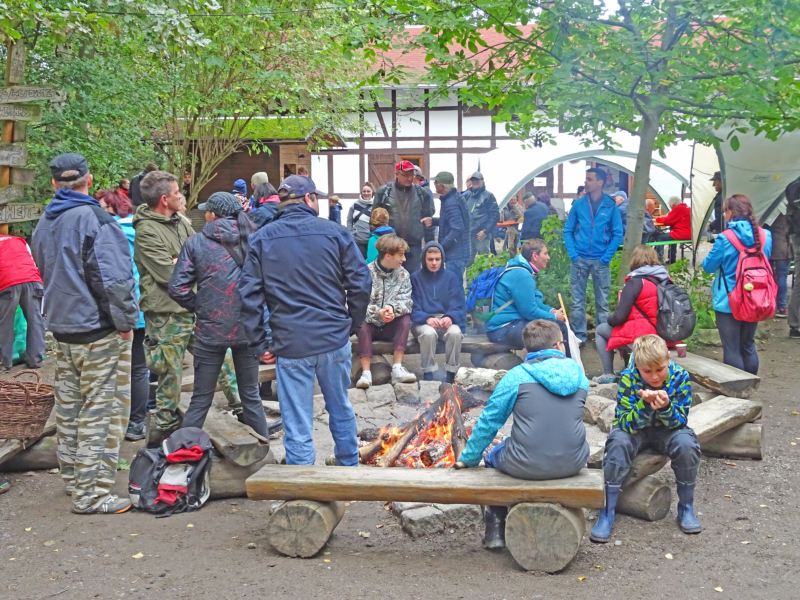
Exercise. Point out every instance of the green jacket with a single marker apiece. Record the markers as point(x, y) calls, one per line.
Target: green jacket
point(157, 244)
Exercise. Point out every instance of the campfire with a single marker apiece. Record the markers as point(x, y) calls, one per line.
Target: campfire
point(434, 439)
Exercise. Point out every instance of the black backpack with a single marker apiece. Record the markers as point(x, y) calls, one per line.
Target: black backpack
point(676, 317)
point(151, 468)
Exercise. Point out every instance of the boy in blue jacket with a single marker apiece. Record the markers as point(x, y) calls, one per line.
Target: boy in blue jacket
point(592, 235)
point(546, 395)
point(652, 412)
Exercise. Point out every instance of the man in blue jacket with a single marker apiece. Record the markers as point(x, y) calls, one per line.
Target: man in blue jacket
point(516, 301)
point(439, 312)
point(453, 224)
point(313, 279)
point(592, 235)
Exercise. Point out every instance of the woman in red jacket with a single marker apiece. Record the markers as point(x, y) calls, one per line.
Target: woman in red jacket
point(637, 310)
point(679, 221)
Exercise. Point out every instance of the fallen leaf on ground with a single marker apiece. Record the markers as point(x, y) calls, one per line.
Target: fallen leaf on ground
point(794, 412)
point(731, 464)
point(133, 534)
point(190, 525)
point(236, 537)
point(53, 471)
point(49, 543)
point(763, 506)
point(233, 510)
point(326, 560)
point(12, 559)
point(581, 578)
point(727, 495)
point(668, 556)
point(28, 528)
point(717, 589)
point(363, 534)
point(745, 542)
point(137, 555)
point(794, 443)
point(378, 526)
point(597, 566)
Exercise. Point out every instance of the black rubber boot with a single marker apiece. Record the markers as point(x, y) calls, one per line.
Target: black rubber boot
point(495, 519)
point(450, 377)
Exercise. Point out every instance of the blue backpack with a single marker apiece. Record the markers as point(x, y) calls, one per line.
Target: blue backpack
point(480, 295)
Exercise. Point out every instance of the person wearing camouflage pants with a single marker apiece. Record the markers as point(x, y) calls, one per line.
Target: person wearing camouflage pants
point(93, 403)
point(167, 337)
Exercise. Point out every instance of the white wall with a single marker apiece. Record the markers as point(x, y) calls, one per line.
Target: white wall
point(345, 174)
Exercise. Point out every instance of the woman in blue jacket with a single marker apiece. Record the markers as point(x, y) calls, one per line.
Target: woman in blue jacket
point(517, 302)
point(738, 337)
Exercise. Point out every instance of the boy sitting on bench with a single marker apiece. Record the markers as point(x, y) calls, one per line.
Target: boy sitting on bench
point(652, 409)
point(546, 395)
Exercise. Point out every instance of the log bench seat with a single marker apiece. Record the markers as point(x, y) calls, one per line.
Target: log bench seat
point(717, 376)
point(544, 527)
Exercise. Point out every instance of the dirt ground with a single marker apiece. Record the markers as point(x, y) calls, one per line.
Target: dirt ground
point(748, 548)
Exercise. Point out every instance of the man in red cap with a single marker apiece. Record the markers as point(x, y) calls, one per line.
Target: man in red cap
point(407, 204)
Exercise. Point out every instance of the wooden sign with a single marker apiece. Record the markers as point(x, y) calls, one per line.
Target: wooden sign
point(16, 213)
point(24, 93)
point(14, 155)
point(20, 131)
point(20, 112)
point(22, 176)
point(10, 193)
point(16, 63)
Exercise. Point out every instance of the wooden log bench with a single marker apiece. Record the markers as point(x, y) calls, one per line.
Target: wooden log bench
point(543, 531)
point(717, 376)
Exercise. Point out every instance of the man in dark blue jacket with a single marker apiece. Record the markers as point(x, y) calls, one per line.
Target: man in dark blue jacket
point(592, 235)
point(453, 224)
point(439, 312)
point(315, 283)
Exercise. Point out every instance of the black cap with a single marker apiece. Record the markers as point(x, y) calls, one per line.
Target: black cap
point(68, 162)
point(222, 204)
point(717, 175)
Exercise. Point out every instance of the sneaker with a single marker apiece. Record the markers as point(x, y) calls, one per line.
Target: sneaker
point(365, 381)
point(275, 428)
point(111, 504)
point(136, 431)
point(794, 332)
point(782, 313)
point(330, 460)
point(401, 375)
point(604, 378)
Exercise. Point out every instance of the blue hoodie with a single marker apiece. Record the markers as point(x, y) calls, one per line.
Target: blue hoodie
point(548, 418)
point(518, 284)
point(593, 236)
point(65, 199)
point(438, 293)
point(372, 253)
point(724, 257)
point(127, 228)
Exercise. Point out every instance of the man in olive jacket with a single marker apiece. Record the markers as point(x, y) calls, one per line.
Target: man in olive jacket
point(169, 328)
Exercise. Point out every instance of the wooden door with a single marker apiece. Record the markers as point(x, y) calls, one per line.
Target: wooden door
point(381, 169)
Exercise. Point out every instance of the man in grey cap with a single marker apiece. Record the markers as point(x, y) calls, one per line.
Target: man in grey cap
point(91, 308)
point(419, 179)
point(484, 215)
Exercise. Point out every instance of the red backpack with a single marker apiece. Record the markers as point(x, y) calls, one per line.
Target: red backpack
point(754, 296)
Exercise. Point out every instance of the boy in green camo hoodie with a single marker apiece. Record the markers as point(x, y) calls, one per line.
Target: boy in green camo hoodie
point(652, 410)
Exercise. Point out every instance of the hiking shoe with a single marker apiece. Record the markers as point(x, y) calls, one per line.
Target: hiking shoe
point(365, 381)
point(794, 332)
point(782, 313)
point(275, 428)
point(111, 504)
point(604, 378)
point(330, 460)
point(401, 375)
point(136, 431)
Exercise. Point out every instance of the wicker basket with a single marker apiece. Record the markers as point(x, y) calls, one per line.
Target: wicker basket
point(24, 407)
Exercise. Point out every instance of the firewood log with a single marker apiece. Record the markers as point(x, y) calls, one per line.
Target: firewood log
point(419, 425)
point(647, 499)
point(302, 527)
point(458, 433)
point(544, 537)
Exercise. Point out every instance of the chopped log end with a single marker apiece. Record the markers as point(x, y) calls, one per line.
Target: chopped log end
point(647, 499)
point(302, 527)
point(544, 537)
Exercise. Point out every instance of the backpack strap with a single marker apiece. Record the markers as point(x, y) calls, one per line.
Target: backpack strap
point(641, 312)
point(358, 212)
point(510, 302)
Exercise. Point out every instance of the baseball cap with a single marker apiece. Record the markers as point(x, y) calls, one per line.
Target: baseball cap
point(222, 204)
point(69, 162)
point(444, 177)
point(418, 171)
point(300, 185)
point(717, 175)
point(476, 175)
point(404, 165)
point(620, 193)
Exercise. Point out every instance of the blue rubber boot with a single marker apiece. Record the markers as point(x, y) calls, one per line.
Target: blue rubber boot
point(686, 519)
point(601, 532)
point(427, 376)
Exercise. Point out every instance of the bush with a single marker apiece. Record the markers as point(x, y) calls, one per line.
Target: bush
point(697, 284)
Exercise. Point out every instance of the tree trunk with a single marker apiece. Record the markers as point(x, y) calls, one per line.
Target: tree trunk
point(638, 195)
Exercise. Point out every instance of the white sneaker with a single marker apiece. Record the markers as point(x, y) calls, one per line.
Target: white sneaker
point(401, 375)
point(365, 381)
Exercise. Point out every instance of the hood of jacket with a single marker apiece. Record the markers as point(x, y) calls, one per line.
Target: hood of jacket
point(655, 271)
point(65, 199)
point(519, 261)
point(423, 265)
point(383, 231)
point(560, 376)
point(743, 230)
point(270, 199)
point(223, 231)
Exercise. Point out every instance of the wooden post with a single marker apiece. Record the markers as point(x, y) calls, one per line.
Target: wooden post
point(302, 527)
point(7, 134)
point(544, 537)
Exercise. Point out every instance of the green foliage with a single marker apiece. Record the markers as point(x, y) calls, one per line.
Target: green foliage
point(484, 262)
point(697, 283)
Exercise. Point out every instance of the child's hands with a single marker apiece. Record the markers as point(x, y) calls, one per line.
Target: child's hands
point(655, 398)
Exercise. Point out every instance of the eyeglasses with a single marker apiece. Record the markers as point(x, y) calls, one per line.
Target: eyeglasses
point(557, 344)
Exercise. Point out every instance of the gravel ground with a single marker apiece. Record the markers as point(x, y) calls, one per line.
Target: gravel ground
point(748, 548)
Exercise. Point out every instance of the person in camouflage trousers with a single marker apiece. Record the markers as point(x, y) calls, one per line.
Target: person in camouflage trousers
point(91, 308)
point(160, 235)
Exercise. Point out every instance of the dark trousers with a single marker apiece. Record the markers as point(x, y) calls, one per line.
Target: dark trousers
point(413, 257)
point(140, 378)
point(363, 247)
point(28, 296)
point(680, 445)
point(207, 366)
point(738, 342)
point(396, 331)
point(511, 335)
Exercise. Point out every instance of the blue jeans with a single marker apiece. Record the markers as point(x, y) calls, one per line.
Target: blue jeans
point(457, 267)
point(492, 458)
point(578, 278)
point(511, 334)
point(781, 270)
point(296, 398)
point(680, 445)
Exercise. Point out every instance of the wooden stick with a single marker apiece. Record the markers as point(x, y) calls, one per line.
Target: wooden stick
point(458, 433)
point(419, 425)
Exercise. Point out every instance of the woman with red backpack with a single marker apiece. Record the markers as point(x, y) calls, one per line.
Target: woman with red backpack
point(636, 313)
point(743, 288)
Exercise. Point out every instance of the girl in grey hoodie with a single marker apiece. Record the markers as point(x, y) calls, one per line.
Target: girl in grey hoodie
point(358, 217)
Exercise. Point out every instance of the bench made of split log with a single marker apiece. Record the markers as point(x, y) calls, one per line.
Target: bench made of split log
point(543, 530)
point(717, 376)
